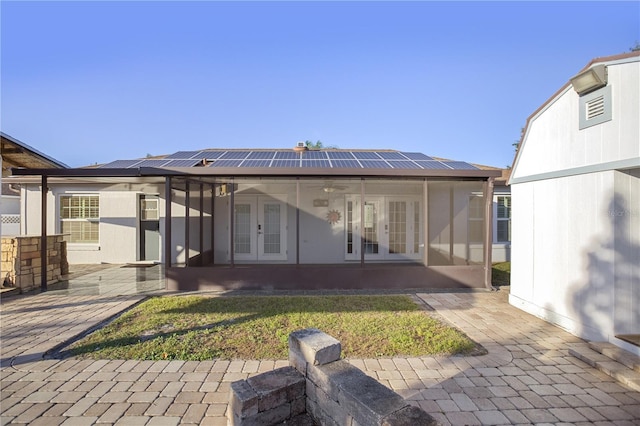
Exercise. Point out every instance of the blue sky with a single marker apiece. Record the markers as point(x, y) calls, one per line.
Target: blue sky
point(92, 82)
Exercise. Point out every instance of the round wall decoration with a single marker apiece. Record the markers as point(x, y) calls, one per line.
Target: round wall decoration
point(333, 216)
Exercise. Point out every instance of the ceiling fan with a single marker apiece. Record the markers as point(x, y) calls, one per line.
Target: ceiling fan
point(330, 186)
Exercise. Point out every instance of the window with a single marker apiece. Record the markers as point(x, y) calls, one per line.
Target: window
point(503, 219)
point(80, 218)
point(476, 219)
point(595, 108)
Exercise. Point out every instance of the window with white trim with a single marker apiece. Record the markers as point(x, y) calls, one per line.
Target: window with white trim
point(503, 219)
point(80, 218)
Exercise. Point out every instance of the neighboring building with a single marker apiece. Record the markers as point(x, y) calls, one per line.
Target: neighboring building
point(576, 206)
point(17, 154)
point(277, 218)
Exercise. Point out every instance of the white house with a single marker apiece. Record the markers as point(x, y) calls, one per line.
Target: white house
point(576, 206)
point(276, 218)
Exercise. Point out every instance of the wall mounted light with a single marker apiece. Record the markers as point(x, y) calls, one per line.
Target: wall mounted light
point(590, 80)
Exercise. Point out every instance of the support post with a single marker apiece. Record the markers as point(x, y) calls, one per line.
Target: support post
point(213, 224)
point(43, 234)
point(488, 231)
point(201, 233)
point(232, 221)
point(425, 222)
point(362, 222)
point(298, 220)
point(167, 223)
point(187, 224)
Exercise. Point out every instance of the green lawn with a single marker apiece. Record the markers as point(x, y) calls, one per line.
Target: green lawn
point(501, 274)
point(202, 328)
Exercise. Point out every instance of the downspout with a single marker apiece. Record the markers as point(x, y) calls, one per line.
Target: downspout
point(488, 232)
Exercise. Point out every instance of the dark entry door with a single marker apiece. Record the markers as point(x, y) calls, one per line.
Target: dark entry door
point(149, 228)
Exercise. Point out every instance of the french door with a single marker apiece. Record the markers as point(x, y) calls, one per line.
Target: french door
point(391, 228)
point(260, 228)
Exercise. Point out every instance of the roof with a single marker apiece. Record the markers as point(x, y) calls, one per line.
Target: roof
point(17, 154)
point(599, 60)
point(282, 162)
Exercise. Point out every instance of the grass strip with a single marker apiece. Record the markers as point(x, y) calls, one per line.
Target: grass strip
point(257, 327)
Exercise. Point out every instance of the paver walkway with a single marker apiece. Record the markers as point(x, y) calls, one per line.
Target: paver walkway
point(528, 377)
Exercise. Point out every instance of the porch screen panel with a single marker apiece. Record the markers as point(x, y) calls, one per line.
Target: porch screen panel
point(397, 227)
point(456, 223)
point(349, 224)
point(272, 231)
point(242, 237)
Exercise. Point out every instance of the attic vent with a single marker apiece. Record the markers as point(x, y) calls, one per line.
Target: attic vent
point(595, 107)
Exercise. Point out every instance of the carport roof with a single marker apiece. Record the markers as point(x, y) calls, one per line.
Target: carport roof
point(277, 163)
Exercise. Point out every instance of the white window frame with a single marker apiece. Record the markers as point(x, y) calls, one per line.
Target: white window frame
point(497, 219)
point(88, 218)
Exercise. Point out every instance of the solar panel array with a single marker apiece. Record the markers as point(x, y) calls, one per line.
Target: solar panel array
point(291, 159)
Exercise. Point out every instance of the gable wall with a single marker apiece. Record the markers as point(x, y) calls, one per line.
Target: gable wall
point(554, 142)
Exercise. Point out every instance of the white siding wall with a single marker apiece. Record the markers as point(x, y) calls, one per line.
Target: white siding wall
point(562, 262)
point(576, 229)
point(118, 221)
point(554, 142)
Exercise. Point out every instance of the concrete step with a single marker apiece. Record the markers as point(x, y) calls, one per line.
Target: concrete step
point(608, 365)
point(617, 354)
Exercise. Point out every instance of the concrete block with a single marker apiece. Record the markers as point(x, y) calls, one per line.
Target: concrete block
point(366, 399)
point(298, 406)
point(314, 346)
point(243, 400)
point(271, 417)
point(298, 362)
point(319, 415)
point(409, 416)
point(323, 376)
point(277, 387)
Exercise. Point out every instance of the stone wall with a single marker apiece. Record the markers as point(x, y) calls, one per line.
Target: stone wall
point(21, 261)
point(335, 393)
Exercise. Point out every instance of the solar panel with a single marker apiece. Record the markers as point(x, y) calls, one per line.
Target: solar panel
point(345, 164)
point(226, 163)
point(316, 163)
point(261, 155)
point(235, 155)
point(209, 155)
point(286, 155)
point(314, 155)
point(391, 155)
point(460, 165)
point(120, 164)
point(416, 156)
point(182, 155)
point(374, 164)
point(184, 163)
point(254, 163)
point(366, 155)
point(340, 155)
point(285, 163)
point(403, 164)
point(431, 165)
point(151, 163)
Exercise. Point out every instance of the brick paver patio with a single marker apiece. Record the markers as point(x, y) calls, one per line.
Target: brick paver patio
point(528, 376)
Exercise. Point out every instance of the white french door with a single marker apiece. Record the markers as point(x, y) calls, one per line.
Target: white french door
point(391, 229)
point(260, 228)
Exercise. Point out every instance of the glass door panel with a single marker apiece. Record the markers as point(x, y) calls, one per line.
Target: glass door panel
point(244, 241)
